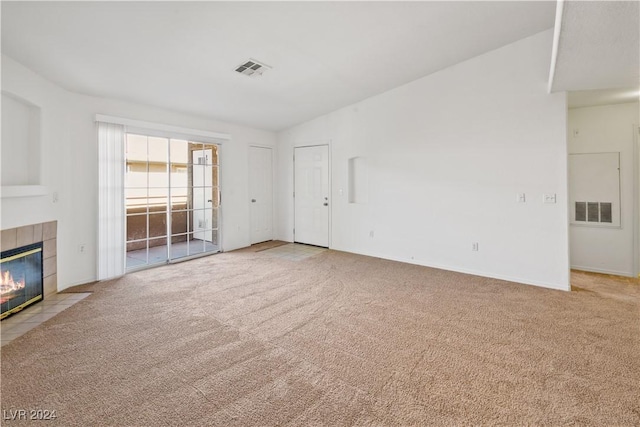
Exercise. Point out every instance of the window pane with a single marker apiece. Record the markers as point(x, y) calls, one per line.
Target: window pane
point(200, 198)
point(203, 154)
point(179, 151)
point(180, 175)
point(158, 150)
point(158, 176)
point(157, 251)
point(199, 154)
point(200, 220)
point(136, 254)
point(180, 198)
point(179, 222)
point(136, 148)
point(196, 246)
point(179, 247)
point(140, 245)
point(199, 177)
point(211, 197)
point(157, 224)
point(136, 228)
point(135, 200)
point(136, 174)
point(158, 199)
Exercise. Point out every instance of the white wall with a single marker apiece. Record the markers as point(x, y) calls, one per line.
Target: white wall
point(446, 156)
point(603, 129)
point(69, 152)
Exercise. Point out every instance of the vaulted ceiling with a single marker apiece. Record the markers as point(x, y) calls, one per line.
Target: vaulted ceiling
point(599, 46)
point(325, 55)
point(598, 52)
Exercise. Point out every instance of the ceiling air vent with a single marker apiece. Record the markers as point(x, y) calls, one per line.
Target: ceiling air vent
point(252, 68)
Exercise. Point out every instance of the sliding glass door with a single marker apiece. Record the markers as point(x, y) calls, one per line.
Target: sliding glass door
point(171, 199)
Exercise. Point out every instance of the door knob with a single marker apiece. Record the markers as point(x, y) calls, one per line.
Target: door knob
point(253, 200)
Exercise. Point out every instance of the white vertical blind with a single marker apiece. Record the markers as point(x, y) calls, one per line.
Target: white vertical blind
point(111, 239)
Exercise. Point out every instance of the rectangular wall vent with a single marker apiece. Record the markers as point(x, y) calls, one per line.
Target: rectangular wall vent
point(252, 68)
point(594, 212)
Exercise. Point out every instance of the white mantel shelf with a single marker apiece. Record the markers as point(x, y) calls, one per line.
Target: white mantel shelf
point(11, 191)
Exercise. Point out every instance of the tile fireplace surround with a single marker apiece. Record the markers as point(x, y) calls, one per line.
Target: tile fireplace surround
point(44, 232)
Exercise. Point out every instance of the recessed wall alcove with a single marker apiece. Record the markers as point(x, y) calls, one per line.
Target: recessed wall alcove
point(358, 175)
point(21, 148)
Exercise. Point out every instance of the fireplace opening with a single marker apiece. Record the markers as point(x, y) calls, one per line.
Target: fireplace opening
point(21, 282)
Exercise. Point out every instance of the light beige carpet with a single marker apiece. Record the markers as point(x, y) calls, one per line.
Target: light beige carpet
point(245, 339)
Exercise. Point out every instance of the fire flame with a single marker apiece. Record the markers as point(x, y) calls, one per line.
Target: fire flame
point(7, 284)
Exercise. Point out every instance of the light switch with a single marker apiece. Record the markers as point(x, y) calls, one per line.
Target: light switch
point(549, 198)
point(521, 198)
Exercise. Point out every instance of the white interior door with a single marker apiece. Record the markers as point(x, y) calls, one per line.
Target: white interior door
point(202, 194)
point(261, 194)
point(311, 194)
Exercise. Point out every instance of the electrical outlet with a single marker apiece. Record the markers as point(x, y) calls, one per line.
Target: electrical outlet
point(371, 233)
point(549, 198)
point(474, 246)
point(521, 198)
point(82, 248)
point(54, 197)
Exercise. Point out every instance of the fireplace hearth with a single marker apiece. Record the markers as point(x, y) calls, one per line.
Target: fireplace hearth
point(21, 278)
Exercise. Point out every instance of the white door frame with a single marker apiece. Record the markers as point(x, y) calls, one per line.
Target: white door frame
point(273, 181)
point(636, 201)
point(307, 145)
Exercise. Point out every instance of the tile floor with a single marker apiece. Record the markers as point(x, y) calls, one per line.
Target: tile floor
point(17, 324)
point(294, 251)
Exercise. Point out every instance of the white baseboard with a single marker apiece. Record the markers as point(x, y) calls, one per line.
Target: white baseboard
point(603, 271)
point(548, 285)
point(519, 280)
